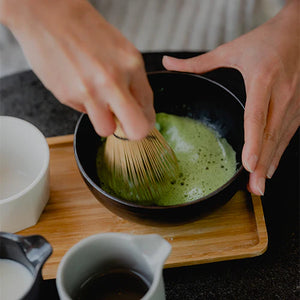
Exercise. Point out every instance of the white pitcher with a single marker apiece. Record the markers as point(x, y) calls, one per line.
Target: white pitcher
point(104, 252)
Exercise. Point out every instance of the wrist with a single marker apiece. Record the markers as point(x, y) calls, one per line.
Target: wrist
point(291, 11)
point(4, 11)
point(9, 12)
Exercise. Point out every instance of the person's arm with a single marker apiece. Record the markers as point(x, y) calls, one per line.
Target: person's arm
point(269, 59)
point(84, 61)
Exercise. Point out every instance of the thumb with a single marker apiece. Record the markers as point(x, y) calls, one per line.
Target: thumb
point(198, 64)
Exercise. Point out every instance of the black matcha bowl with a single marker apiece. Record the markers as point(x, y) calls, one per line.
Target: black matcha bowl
point(181, 94)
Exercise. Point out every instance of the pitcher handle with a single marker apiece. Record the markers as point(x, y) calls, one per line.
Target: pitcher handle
point(36, 248)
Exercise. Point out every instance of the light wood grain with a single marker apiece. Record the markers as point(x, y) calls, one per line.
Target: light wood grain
point(235, 230)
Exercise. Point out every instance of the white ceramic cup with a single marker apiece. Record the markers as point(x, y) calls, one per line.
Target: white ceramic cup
point(104, 252)
point(24, 174)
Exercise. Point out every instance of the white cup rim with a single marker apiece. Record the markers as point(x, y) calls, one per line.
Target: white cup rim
point(44, 167)
point(74, 249)
point(60, 280)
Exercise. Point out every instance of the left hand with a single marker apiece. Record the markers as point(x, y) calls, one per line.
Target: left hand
point(269, 59)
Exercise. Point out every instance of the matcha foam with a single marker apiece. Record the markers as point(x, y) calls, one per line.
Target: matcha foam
point(205, 160)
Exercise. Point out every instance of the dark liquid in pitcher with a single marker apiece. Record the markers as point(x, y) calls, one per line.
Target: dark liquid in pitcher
point(117, 284)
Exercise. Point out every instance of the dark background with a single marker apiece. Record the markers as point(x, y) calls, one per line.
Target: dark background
point(273, 275)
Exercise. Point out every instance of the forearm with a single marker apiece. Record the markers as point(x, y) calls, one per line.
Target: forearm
point(281, 37)
point(288, 20)
point(14, 13)
point(4, 11)
point(290, 16)
point(84, 61)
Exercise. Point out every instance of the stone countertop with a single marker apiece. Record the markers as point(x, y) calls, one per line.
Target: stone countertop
point(273, 275)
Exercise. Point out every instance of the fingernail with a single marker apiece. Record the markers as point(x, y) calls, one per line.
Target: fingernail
point(250, 164)
point(271, 171)
point(261, 185)
point(167, 57)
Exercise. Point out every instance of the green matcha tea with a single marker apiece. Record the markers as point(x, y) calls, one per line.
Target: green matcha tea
point(205, 160)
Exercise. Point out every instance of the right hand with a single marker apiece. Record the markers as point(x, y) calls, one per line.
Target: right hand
point(85, 62)
point(271, 71)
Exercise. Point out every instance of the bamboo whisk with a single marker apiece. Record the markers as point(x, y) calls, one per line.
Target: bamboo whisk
point(139, 170)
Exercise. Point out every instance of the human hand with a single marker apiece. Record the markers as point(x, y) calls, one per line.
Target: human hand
point(269, 60)
point(84, 61)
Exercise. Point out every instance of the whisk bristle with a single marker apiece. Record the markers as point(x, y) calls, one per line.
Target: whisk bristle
point(139, 170)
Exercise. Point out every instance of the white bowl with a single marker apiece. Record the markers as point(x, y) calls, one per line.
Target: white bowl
point(24, 174)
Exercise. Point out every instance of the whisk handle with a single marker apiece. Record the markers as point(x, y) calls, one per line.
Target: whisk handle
point(120, 137)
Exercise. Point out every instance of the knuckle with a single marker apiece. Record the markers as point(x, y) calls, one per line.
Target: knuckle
point(265, 77)
point(271, 136)
point(133, 59)
point(257, 118)
point(102, 76)
point(272, 64)
point(77, 93)
point(112, 78)
point(267, 73)
point(85, 90)
point(286, 93)
point(107, 76)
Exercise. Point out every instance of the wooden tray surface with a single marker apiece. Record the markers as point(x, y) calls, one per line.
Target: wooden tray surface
point(235, 230)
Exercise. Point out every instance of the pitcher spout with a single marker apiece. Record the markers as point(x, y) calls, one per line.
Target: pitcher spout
point(154, 248)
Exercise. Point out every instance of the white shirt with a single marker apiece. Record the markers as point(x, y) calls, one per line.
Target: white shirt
point(165, 25)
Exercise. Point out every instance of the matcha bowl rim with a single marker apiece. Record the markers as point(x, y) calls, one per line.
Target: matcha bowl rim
point(168, 213)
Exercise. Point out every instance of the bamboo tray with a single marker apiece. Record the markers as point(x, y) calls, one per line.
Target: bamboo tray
point(235, 230)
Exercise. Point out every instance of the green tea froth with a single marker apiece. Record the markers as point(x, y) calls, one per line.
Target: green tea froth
point(206, 161)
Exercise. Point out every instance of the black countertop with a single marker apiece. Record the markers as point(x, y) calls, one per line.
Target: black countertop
point(273, 275)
